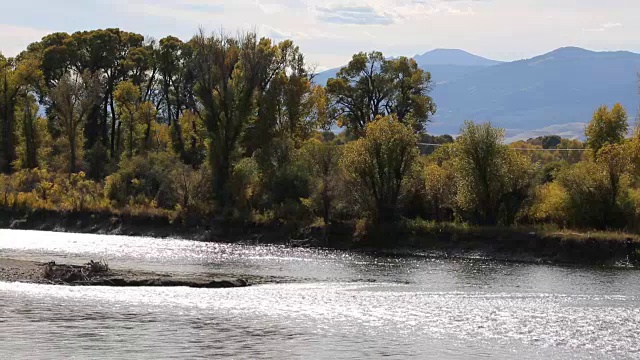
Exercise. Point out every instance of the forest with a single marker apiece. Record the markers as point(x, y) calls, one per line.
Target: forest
point(234, 128)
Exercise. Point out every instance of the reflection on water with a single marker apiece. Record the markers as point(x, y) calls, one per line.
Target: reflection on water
point(341, 305)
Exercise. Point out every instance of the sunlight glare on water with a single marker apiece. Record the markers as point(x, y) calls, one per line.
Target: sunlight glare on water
point(332, 305)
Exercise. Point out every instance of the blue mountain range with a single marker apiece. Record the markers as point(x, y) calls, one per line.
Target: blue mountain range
point(554, 93)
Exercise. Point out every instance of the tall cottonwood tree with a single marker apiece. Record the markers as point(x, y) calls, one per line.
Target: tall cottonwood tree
point(73, 98)
point(289, 109)
point(607, 127)
point(193, 137)
point(127, 96)
point(322, 159)
point(16, 78)
point(228, 72)
point(33, 135)
point(378, 165)
point(371, 86)
point(492, 180)
point(175, 64)
point(115, 54)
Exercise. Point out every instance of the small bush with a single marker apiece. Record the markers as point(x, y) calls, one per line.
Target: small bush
point(550, 204)
point(144, 179)
point(592, 200)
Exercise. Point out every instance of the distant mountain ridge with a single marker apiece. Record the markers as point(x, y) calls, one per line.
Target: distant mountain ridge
point(557, 91)
point(453, 57)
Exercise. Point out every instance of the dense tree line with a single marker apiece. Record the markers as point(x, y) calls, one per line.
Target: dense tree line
point(234, 127)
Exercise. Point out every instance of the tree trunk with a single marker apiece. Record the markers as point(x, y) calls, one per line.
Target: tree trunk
point(131, 125)
point(147, 137)
point(113, 129)
point(105, 122)
point(118, 138)
point(72, 160)
point(220, 179)
point(8, 138)
point(92, 130)
point(31, 141)
point(28, 132)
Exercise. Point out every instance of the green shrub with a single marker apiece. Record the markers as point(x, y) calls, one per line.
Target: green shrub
point(145, 180)
point(377, 167)
point(592, 201)
point(493, 181)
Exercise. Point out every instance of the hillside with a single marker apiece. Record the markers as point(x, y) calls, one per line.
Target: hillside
point(562, 87)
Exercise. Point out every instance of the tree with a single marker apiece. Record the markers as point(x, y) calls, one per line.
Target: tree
point(593, 199)
point(228, 72)
point(288, 104)
point(114, 54)
point(109, 51)
point(193, 138)
point(137, 115)
point(289, 110)
point(15, 81)
point(33, 147)
point(127, 97)
point(371, 86)
point(146, 118)
point(146, 180)
point(607, 127)
point(429, 143)
point(73, 99)
point(547, 141)
point(615, 159)
point(175, 64)
point(515, 185)
point(492, 180)
point(570, 156)
point(534, 152)
point(439, 190)
point(322, 158)
point(409, 98)
point(378, 164)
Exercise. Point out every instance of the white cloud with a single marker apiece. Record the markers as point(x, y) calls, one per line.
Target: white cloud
point(611, 25)
point(354, 15)
point(15, 39)
point(604, 27)
point(271, 7)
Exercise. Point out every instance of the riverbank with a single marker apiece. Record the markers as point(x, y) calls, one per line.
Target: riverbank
point(12, 270)
point(446, 240)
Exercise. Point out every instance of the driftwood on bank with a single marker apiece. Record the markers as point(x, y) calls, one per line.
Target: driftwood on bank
point(99, 274)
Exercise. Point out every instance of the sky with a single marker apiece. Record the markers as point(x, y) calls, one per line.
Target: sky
point(330, 31)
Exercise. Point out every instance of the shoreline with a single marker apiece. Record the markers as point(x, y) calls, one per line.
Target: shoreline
point(522, 245)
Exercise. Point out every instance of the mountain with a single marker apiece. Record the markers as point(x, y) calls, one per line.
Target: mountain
point(562, 87)
point(556, 92)
point(322, 77)
point(452, 57)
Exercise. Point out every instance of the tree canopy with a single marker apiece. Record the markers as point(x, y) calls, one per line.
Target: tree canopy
point(233, 128)
point(607, 127)
point(371, 86)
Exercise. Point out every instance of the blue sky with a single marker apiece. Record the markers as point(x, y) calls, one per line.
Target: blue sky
point(330, 31)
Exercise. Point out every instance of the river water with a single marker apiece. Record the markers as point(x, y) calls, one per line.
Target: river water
point(323, 305)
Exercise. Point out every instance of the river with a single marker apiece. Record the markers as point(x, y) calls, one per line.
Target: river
point(322, 304)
